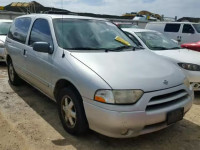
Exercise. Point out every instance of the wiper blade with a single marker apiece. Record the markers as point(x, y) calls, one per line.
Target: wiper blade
point(121, 48)
point(160, 48)
point(84, 48)
point(175, 48)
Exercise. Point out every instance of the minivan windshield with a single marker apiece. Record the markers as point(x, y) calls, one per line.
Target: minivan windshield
point(4, 27)
point(157, 41)
point(83, 34)
point(197, 27)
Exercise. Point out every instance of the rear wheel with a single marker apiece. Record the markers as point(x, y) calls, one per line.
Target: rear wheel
point(12, 75)
point(71, 112)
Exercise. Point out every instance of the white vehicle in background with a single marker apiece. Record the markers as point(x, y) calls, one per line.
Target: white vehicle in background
point(4, 28)
point(155, 41)
point(183, 32)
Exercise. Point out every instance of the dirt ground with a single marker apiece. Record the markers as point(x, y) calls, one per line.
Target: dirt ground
point(29, 121)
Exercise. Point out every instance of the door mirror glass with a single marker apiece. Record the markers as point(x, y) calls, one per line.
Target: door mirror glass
point(43, 47)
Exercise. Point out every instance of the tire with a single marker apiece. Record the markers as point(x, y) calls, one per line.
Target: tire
point(71, 112)
point(14, 79)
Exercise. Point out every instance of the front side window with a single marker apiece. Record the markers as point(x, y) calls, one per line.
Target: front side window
point(4, 27)
point(157, 41)
point(172, 27)
point(197, 27)
point(187, 28)
point(82, 34)
point(40, 32)
point(19, 29)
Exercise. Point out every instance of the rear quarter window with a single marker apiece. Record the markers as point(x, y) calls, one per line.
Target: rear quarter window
point(172, 27)
point(19, 29)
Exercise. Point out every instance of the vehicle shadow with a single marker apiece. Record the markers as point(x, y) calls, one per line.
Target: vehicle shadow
point(183, 135)
point(197, 98)
point(2, 64)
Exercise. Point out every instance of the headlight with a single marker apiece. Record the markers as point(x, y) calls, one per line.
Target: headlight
point(118, 96)
point(2, 44)
point(188, 66)
point(187, 83)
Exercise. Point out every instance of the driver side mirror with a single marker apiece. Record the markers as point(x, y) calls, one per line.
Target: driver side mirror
point(43, 47)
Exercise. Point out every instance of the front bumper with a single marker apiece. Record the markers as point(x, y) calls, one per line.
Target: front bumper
point(2, 55)
point(123, 121)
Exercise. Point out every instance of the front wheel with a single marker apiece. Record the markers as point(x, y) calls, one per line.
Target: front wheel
point(71, 112)
point(12, 75)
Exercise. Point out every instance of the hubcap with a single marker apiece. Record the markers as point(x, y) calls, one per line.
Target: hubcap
point(69, 111)
point(11, 72)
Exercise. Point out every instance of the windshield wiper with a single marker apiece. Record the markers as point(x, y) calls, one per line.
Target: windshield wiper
point(121, 48)
point(84, 48)
point(160, 48)
point(175, 48)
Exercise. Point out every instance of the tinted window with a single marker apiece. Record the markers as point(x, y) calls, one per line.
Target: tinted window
point(172, 27)
point(187, 28)
point(19, 29)
point(40, 32)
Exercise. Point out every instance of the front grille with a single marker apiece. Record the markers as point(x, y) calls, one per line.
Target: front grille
point(166, 100)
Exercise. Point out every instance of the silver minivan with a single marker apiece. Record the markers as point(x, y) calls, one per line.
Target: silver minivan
point(96, 74)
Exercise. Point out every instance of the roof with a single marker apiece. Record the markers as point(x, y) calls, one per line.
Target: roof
point(5, 20)
point(159, 22)
point(137, 30)
point(54, 16)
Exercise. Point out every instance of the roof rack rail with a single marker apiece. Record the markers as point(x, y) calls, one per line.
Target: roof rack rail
point(60, 12)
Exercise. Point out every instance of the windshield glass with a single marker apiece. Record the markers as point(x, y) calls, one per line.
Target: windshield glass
point(85, 34)
point(4, 27)
point(157, 41)
point(197, 27)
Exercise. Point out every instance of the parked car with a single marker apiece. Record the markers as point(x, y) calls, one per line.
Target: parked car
point(97, 75)
point(126, 25)
point(4, 28)
point(183, 32)
point(155, 41)
point(193, 46)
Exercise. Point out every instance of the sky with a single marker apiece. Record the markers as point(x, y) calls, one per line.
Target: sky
point(168, 8)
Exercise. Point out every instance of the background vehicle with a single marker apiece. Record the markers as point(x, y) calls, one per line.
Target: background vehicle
point(188, 60)
point(126, 25)
point(4, 28)
point(97, 75)
point(183, 32)
point(192, 46)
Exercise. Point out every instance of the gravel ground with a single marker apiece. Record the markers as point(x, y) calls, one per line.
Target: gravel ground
point(29, 120)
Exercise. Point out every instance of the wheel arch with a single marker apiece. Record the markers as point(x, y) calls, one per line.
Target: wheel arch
point(63, 83)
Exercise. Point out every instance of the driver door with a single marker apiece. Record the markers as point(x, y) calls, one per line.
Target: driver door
point(39, 65)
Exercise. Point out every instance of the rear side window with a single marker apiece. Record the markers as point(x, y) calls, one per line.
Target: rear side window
point(41, 32)
point(172, 27)
point(187, 28)
point(19, 29)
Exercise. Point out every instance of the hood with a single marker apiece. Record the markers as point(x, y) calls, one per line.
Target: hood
point(181, 55)
point(3, 38)
point(132, 69)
